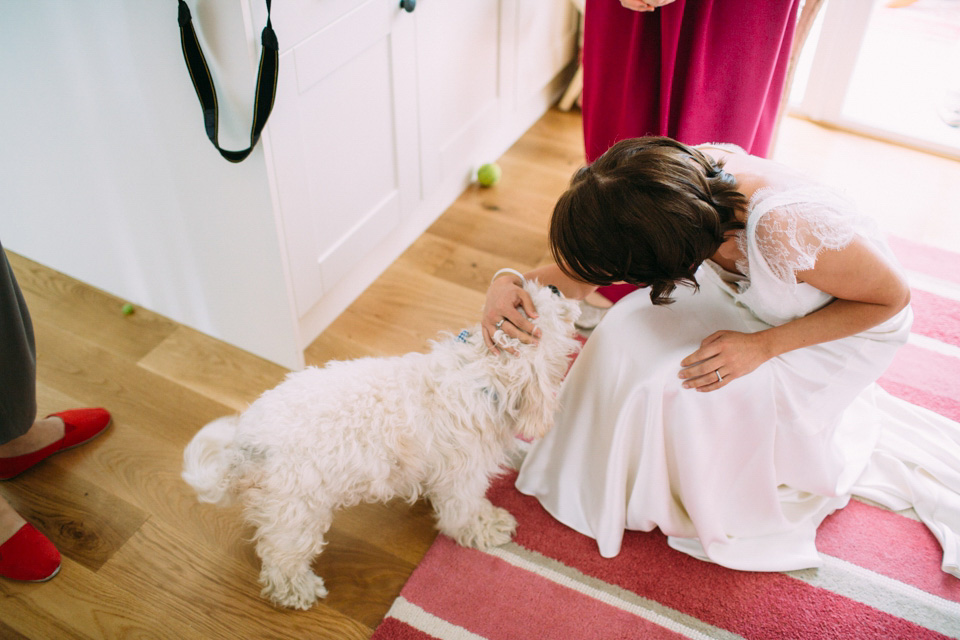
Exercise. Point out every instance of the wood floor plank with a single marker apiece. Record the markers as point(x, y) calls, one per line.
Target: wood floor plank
point(45, 610)
point(9, 633)
point(210, 367)
point(134, 395)
point(510, 240)
point(514, 203)
point(404, 309)
point(362, 579)
point(565, 128)
point(403, 530)
point(86, 522)
point(89, 313)
point(451, 261)
point(165, 564)
point(79, 603)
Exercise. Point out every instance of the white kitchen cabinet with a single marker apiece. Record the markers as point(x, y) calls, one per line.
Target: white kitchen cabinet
point(458, 88)
point(343, 144)
point(380, 117)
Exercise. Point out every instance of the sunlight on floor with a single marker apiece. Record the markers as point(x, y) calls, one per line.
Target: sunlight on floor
point(900, 82)
point(909, 60)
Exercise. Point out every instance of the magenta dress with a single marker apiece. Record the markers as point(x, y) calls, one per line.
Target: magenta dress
point(694, 70)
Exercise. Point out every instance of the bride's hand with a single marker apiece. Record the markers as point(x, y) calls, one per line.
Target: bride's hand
point(723, 356)
point(504, 310)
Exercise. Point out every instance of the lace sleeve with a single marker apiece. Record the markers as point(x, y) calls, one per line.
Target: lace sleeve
point(790, 237)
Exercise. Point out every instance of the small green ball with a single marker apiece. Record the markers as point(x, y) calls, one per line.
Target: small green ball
point(127, 309)
point(489, 174)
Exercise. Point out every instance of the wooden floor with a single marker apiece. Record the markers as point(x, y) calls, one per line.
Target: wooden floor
point(143, 559)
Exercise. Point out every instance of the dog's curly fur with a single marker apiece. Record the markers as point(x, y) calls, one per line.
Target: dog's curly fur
point(438, 424)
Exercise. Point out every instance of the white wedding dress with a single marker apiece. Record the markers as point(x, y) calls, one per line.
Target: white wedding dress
point(744, 475)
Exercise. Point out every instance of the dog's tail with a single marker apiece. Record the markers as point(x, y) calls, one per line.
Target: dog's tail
point(208, 461)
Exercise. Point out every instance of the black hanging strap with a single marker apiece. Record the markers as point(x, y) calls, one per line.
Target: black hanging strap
point(203, 83)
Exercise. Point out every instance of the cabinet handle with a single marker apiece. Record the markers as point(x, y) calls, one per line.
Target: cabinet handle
point(408, 5)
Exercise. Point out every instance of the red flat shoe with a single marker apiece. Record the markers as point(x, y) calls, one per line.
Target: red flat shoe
point(79, 426)
point(29, 556)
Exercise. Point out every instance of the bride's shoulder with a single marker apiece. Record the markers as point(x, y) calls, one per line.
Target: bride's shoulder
point(800, 198)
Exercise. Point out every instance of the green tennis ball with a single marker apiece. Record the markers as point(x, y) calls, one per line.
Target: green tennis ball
point(127, 309)
point(489, 174)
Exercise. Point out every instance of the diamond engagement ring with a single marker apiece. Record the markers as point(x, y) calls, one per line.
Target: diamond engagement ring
point(499, 323)
point(719, 377)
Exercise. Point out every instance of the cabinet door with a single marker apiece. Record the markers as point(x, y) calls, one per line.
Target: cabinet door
point(343, 143)
point(545, 45)
point(458, 49)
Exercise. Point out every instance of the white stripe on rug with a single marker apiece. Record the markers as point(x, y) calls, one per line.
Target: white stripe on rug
point(409, 613)
point(886, 594)
point(931, 344)
point(933, 284)
point(594, 588)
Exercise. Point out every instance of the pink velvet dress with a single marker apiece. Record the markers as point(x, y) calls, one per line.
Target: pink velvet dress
point(694, 70)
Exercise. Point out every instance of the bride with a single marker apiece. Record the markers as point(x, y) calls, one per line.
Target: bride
point(730, 401)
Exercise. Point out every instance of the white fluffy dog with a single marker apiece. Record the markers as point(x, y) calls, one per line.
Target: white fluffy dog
point(438, 424)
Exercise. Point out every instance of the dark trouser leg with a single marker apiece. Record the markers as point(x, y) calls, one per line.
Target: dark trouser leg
point(18, 358)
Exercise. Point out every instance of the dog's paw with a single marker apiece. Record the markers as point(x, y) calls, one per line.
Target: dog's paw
point(493, 527)
point(300, 592)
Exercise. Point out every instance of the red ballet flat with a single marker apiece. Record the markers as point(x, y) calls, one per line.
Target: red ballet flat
point(29, 556)
point(79, 426)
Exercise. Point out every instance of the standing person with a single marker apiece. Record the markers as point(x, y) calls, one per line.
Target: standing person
point(694, 70)
point(732, 402)
point(25, 553)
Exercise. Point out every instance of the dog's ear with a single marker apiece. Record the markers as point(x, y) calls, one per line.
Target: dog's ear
point(536, 403)
point(533, 394)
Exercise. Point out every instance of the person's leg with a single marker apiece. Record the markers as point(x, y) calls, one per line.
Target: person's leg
point(25, 554)
point(20, 431)
point(18, 405)
point(18, 368)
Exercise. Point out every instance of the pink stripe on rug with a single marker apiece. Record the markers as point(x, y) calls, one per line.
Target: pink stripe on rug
point(510, 595)
point(925, 378)
point(926, 259)
point(396, 630)
point(936, 317)
point(761, 606)
point(872, 538)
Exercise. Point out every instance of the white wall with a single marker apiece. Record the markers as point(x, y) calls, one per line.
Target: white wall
point(106, 174)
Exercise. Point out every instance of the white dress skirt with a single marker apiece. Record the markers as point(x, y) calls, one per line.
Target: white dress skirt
point(741, 476)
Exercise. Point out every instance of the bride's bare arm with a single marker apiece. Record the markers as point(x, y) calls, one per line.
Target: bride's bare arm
point(867, 288)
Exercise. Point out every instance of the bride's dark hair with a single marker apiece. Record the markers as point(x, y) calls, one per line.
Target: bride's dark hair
point(648, 212)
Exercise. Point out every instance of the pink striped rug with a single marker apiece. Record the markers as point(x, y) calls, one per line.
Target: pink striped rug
point(881, 576)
